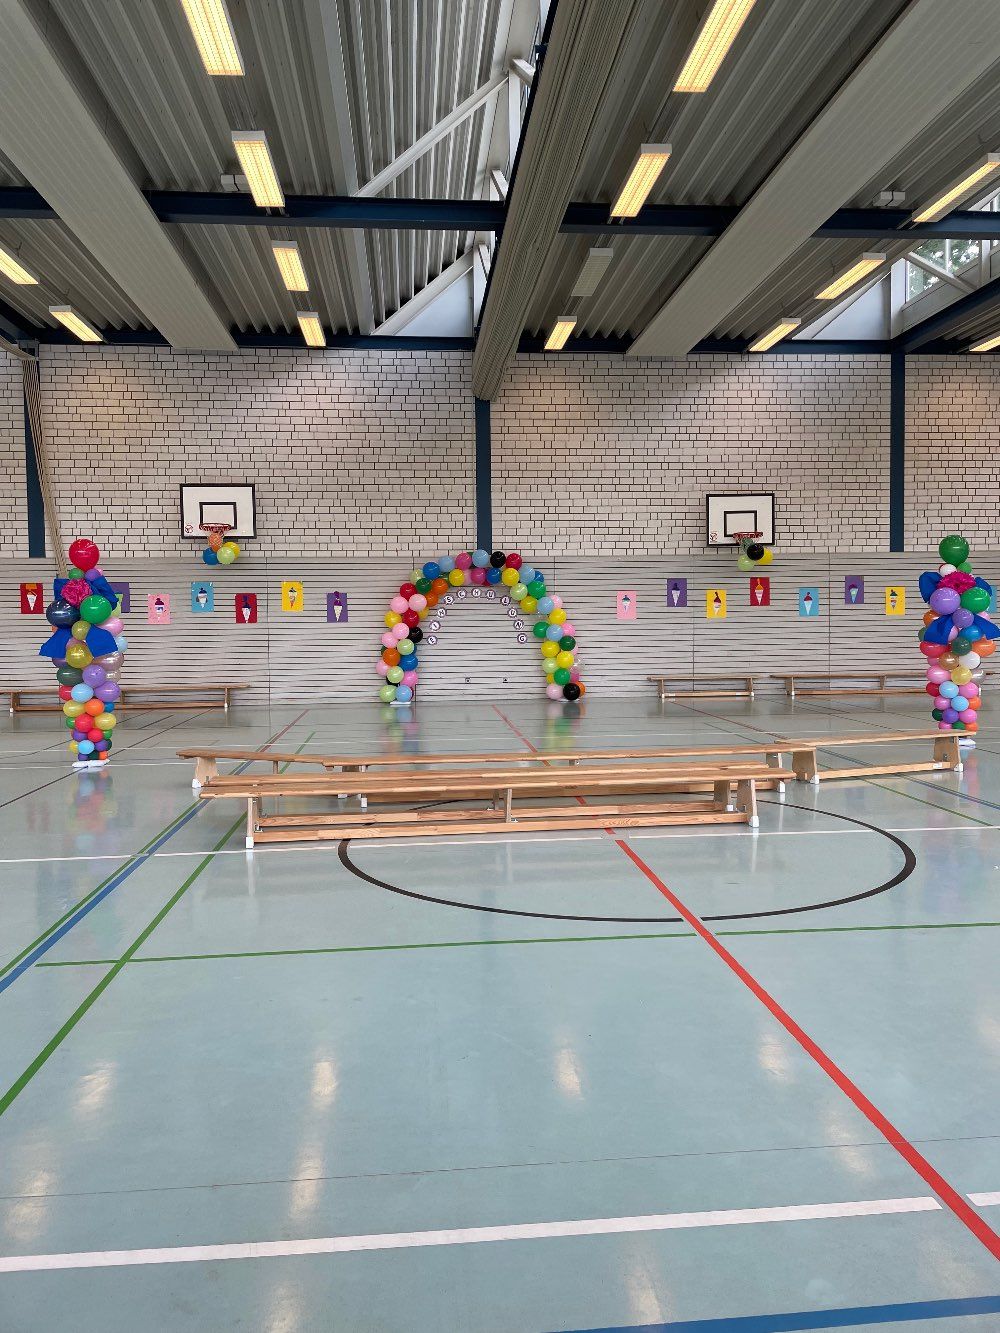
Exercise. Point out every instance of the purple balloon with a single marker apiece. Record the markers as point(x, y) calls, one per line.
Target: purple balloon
point(108, 693)
point(94, 675)
point(961, 618)
point(944, 601)
point(949, 715)
point(92, 574)
point(79, 735)
point(110, 661)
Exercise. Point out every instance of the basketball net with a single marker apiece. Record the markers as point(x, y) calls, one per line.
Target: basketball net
point(745, 539)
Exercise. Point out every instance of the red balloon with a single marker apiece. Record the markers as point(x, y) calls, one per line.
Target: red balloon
point(406, 590)
point(932, 649)
point(931, 690)
point(65, 693)
point(84, 554)
point(95, 735)
point(411, 618)
point(514, 561)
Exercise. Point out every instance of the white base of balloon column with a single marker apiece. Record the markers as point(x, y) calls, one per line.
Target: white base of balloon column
point(91, 763)
point(967, 740)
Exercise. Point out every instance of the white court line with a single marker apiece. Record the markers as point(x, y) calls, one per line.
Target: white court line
point(402, 1240)
point(985, 1200)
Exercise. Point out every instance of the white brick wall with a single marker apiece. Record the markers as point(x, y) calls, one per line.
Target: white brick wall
point(600, 455)
point(953, 460)
point(13, 520)
point(351, 452)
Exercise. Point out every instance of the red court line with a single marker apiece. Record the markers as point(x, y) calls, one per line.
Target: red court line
point(949, 1196)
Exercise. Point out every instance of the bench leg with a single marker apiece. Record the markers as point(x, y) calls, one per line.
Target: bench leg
point(508, 801)
point(251, 820)
point(275, 766)
point(661, 685)
point(15, 699)
point(773, 760)
point(203, 770)
point(804, 764)
point(746, 800)
point(946, 750)
point(722, 795)
point(225, 697)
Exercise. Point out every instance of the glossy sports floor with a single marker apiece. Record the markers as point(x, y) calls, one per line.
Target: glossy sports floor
point(556, 1100)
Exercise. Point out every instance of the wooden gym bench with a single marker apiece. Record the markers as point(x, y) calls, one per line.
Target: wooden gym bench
point(946, 755)
point(733, 800)
point(210, 694)
point(715, 684)
point(860, 682)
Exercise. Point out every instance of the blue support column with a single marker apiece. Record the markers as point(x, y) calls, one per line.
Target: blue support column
point(484, 476)
point(33, 486)
point(897, 451)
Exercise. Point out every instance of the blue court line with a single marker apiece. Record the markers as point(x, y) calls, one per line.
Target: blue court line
point(854, 1317)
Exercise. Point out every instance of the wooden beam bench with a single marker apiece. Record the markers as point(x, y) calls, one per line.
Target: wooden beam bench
point(209, 694)
point(851, 682)
point(697, 680)
point(733, 800)
point(946, 755)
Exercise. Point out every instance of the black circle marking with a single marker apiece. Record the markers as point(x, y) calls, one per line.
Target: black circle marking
point(909, 865)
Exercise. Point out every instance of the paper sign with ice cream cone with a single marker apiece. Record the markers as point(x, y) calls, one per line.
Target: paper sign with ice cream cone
point(677, 593)
point(895, 601)
point(158, 608)
point(202, 598)
point(854, 590)
point(715, 603)
point(291, 595)
point(32, 599)
point(336, 608)
point(760, 591)
point(246, 608)
point(809, 602)
point(625, 603)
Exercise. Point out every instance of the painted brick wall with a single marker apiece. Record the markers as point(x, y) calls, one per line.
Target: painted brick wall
point(953, 449)
point(597, 455)
point(351, 453)
point(13, 522)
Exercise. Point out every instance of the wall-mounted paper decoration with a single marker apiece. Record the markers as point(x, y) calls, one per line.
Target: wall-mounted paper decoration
point(291, 595)
point(124, 594)
point(760, 590)
point(202, 598)
point(336, 608)
point(854, 590)
point(809, 602)
point(626, 608)
point(32, 599)
point(895, 601)
point(158, 608)
point(246, 608)
point(677, 592)
point(715, 603)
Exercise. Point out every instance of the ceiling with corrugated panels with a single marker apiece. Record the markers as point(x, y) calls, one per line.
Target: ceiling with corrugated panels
point(71, 276)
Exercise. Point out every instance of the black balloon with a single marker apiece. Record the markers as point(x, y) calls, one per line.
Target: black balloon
point(62, 614)
point(415, 634)
point(755, 551)
point(67, 675)
point(498, 559)
point(571, 691)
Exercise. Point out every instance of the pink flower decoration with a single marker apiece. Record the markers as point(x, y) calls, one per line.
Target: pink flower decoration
point(75, 590)
point(960, 581)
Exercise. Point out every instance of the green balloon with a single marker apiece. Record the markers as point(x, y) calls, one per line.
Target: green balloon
point(74, 573)
point(387, 693)
point(744, 563)
point(958, 726)
point(404, 647)
point(536, 589)
point(538, 629)
point(567, 643)
point(95, 609)
point(965, 566)
point(395, 674)
point(67, 675)
point(960, 645)
point(70, 722)
point(561, 676)
point(953, 549)
point(936, 714)
point(423, 585)
point(976, 599)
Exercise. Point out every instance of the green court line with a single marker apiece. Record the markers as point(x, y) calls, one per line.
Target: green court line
point(472, 944)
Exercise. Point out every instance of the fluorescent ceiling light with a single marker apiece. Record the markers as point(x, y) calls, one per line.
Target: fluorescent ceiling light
point(959, 191)
point(718, 32)
point(589, 277)
point(561, 330)
point(68, 317)
point(775, 335)
point(289, 261)
point(258, 167)
point(213, 33)
point(11, 268)
point(850, 276)
point(312, 328)
point(987, 345)
point(643, 176)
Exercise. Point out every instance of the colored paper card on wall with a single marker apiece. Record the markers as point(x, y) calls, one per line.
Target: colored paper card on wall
point(715, 603)
point(32, 599)
point(677, 592)
point(895, 601)
point(854, 590)
point(246, 608)
point(158, 608)
point(123, 591)
point(809, 602)
point(291, 595)
point(625, 606)
point(336, 608)
point(202, 598)
point(760, 591)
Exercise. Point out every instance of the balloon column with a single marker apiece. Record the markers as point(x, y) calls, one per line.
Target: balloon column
point(398, 665)
point(87, 649)
point(957, 635)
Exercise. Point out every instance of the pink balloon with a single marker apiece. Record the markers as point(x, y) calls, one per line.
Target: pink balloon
point(399, 605)
point(969, 690)
point(554, 691)
point(556, 601)
point(477, 575)
point(463, 560)
point(409, 678)
point(574, 675)
point(389, 641)
point(941, 702)
point(418, 602)
point(937, 675)
point(381, 667)
point(944, 726)
point(569, 628)
point(952, 634)
point(400, 631)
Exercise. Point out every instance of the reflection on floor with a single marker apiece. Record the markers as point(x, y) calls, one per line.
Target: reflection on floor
point(263, 1092)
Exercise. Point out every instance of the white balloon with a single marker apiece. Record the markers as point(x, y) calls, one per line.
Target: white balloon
point(970, 660)
point(946, 569)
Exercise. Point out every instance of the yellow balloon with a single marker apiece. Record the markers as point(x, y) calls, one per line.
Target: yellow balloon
point(416, 574)
point(557, 616)
point(549, 648)
point(80, 629)
point(961, 675)
point(767, 557)
point(529, 604)
point(72, 709)
point(234, 545)
point(78, 655)
point(391, 618)
point(565, 660)
point(456, 578)
point(509, 577)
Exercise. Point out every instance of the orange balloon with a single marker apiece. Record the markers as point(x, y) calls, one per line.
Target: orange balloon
point(439, 586)
point(214, 540)
point(976, 703)
point(432, 598)
point(929, 617)
point(985, 647)
point(948, 660)
point(390, 657)
point(583, 688)
point(94, 707)
point(972, 726)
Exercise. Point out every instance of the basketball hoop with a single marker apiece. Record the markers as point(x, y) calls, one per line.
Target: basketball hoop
point(745, 539)
point(216, 533)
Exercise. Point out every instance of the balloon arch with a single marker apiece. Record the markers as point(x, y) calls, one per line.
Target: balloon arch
point(399, 664)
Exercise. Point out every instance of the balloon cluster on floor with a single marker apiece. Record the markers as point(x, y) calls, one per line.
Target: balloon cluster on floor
point(957, 635)
point(87, 649)
point(399, 663)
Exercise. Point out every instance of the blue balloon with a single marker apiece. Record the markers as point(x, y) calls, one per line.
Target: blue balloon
point(432, 570)
point(121, 643)
point(554, 631)
point(81, 693)
point(409, 662)
point(85, 747)
point(972, 633)
point(480, 559)
point(404, 694)
point(526, 574)
point(949, 689)
point(959, 703)
point(545, 605)
point(446, 564)
point(209, 556)
point(493, 575)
